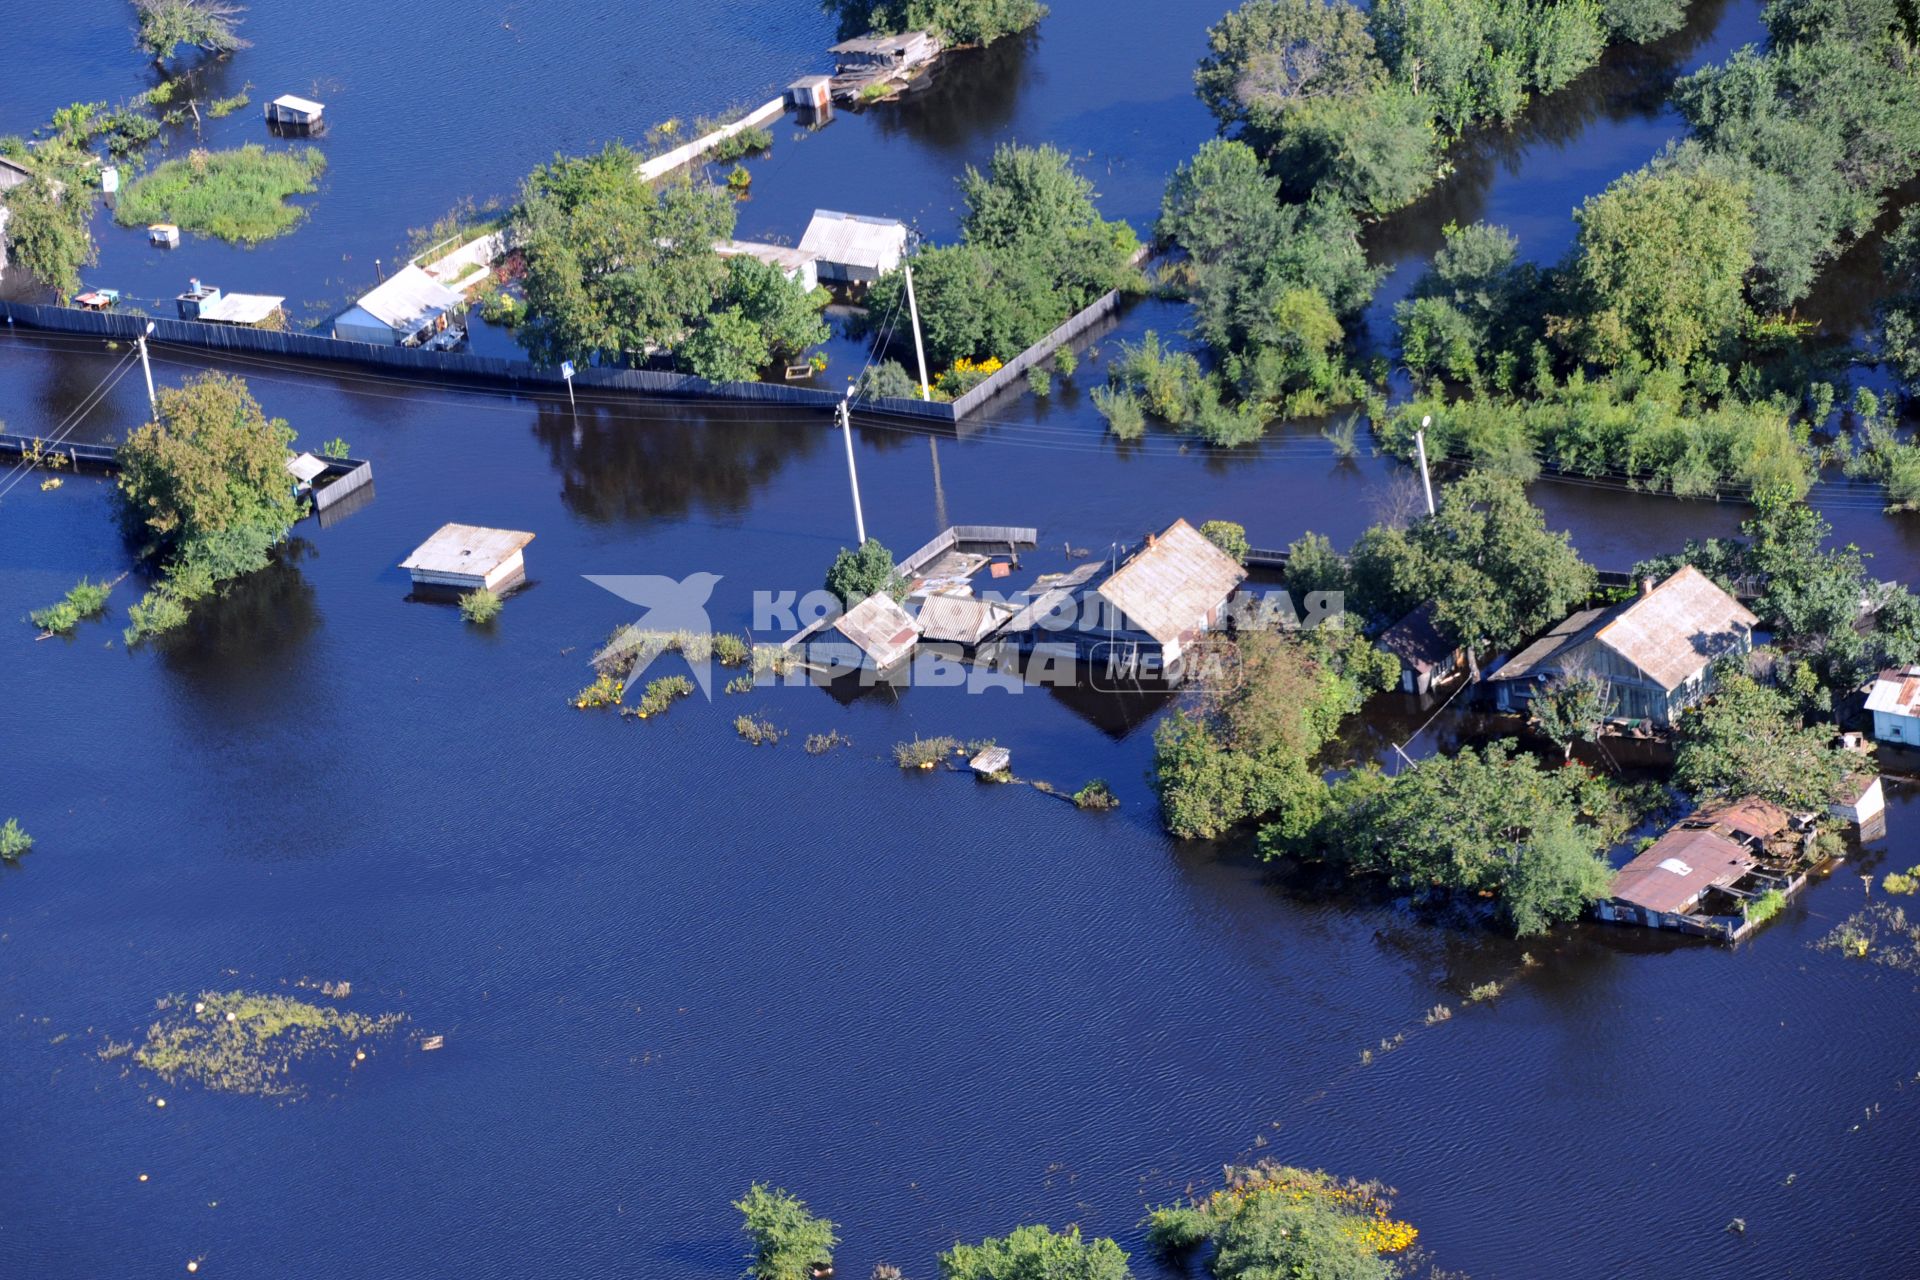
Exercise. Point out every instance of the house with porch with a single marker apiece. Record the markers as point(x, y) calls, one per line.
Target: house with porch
point(1893, 700)
point(1655, 652)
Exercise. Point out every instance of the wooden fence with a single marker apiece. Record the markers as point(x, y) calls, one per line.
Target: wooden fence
point(519, 375)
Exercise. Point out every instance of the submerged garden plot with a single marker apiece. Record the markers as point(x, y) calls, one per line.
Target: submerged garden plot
point(236, 195)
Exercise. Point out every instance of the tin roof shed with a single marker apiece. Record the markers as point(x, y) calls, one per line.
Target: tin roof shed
point(852, 242)
point(880, 629)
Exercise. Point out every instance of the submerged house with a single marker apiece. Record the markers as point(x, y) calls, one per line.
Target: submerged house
point(875, 59)
point(409, 309)
point(1426, 657)
point(880, 630)
point(850, 248)
point(1656, 652)
point(1701, 875)
point(1894, 701)
point(1139, 617)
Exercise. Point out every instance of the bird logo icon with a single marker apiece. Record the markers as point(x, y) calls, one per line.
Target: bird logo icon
point(673, 607)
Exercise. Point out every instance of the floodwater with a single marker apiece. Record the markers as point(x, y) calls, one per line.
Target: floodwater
point(668, 963)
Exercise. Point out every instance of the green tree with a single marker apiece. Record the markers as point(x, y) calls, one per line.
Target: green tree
point(1490, 820)
point(726, 347)
point(1313, 565)
point(1660, 267)
point(1228, 536)
point(206, 487)
point(1036, 1253)
point(615, 266)
point(1246, 748)
point(207, 25)
point(1471, 317)
point(1494, 572)
point(47, 233)
point(1572, 708)
point(955, 21)
point(788, 1243)
point(1746, 740)
point(786, 313)
point(865, 571)
point(1268, 56)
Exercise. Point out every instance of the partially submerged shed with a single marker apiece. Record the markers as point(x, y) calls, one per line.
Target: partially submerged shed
point(207, 303)
point(853, 248)
point(289, 109)
point(408, 308)
point(1426, 657)
point(880, 629)
point(467, 557)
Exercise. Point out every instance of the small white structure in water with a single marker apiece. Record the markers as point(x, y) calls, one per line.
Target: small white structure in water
point(164, 234)
point(288, 109)
point(467, 557)
point(407, 309)
point(853, 248)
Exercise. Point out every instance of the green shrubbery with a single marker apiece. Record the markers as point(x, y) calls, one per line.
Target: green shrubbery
point(1033, 251)
point(480, 606)
point(864, 571)
point(84, 601)
point(14, 842)
point(954, 21)
point(788, 1243)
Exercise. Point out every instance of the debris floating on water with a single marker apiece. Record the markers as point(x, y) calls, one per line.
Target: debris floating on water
point(433, 1042)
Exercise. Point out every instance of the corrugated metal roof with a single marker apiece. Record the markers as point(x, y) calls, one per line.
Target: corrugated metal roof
point(304, 467)
point(1705, 850)
point(1677, 628)
point(1572, 629)
point(1896, 692)
point(905, 42)
point(408, 300)
point(855, 240)
point(960, 619)
point(1170, 586)
point(880, 628)
point(789, 260)
point(306, 106)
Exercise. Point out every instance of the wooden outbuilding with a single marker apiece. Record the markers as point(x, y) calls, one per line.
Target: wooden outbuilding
point(289, 110)
point(467, 557)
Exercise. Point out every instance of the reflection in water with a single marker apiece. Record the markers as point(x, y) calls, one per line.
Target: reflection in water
point(620, 464)
point(251, 630)
point(972, 95)
point(1630, 83)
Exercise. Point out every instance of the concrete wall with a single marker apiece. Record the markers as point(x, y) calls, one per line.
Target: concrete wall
point(688, 152)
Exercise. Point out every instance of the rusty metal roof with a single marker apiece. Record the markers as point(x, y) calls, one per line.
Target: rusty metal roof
point(1677, 628)
point(1168, 587)
point(1897, 692)
point(880, 628)
point(1714, 847)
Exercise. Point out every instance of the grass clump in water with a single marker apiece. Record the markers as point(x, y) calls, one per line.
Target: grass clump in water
point(84, 601)
point(1484, 991)
point(758, 730)
point(603, 692)
point(1121, 408)
point(13, 840)
point(659, 695)
point(239, 195)
point(244, 1042)
point(924, 753)
point(480, 606)
point(1901, 882)
point(818, 744)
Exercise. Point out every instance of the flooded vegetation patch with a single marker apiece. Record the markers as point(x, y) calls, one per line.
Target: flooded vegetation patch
point(240, 195)
point(758, 730)
point(247, 1042)
point(1272, 1219)
point(13, 841)
point(1880, 932)
point(818, 744)
point(924, 753)
point(658, 696)
point(85, 600)
point(480, 606)
point(603, 692)
point(1096, 795)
